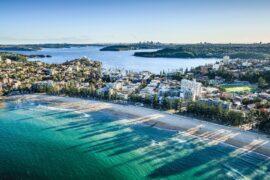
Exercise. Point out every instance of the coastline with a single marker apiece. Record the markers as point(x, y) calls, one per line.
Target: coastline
point(213, 133)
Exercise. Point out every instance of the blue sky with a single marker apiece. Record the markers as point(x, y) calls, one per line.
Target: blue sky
point(106, 21)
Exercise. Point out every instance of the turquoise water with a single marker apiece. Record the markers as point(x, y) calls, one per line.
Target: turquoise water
point(44, 141)
point(118, 59)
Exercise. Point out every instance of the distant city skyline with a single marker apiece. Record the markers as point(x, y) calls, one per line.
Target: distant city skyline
point(107, 21)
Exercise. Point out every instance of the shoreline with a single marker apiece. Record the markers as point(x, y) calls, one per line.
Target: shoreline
point(213, 133)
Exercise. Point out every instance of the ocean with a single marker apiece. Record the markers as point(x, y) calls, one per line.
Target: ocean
point(41, 140)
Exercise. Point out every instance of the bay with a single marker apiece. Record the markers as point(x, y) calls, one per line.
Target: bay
point(118, 59)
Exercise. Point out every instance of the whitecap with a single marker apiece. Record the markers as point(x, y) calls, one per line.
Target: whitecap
point(153, 142)
point(178, 140)
point(86, 115)
point(53, 108)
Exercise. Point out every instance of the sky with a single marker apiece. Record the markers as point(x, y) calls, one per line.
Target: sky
point(115, 21)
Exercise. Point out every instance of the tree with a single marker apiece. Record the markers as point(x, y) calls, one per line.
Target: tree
point(264, 121)
point(155, 101)
point(169, 104)
point(177, 104)
point(164, 103)
point(147, 99)
point(213, 112)
point(235, 118)
point(262, 83)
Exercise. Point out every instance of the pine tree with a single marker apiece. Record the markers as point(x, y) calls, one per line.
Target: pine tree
point(155, 101)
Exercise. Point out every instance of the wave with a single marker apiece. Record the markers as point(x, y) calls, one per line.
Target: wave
point(62, 109)
point(155, 143)
point(53, 108)
point(235, 174)
point(178, 140)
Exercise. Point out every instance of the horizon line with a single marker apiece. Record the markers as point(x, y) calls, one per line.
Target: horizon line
point(100, 43)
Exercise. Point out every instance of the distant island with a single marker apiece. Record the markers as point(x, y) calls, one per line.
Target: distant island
point(241, 51)
point(135, 46)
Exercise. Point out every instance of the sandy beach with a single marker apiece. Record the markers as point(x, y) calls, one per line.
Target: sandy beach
point(214, 133)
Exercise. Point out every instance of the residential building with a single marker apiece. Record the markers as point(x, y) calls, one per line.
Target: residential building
point(191, 89)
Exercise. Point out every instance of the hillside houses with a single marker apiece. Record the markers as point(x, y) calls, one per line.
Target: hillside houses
point(84, 77)
point(23, 75)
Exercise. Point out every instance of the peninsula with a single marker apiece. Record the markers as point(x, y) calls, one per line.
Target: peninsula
point(135, 46)
point(241, 51)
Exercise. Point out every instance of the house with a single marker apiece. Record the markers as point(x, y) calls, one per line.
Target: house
point(103, 91)
point(169, 92)
point(16, 84)
point(116, 85)
point(216, 67)
point(8, 61)
point(217, 102)
point(226, 59)
point(49, 72)
point(122, 96)
point(48, 83)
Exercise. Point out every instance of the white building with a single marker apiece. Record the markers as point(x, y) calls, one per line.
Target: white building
point(75, 68)
point(122, 96)
point(216, 67)
point(226, 59)
point(150, 89)
point(246, 64)
point(39, 63)
point(50, 71)
point(8, 61)
point(16, 84)
point(191, 89)
point(49, 83)
point(116, 85)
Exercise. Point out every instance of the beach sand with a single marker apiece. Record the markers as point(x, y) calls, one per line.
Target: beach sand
point(214, 133)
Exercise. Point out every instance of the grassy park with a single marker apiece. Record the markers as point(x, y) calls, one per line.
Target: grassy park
point(233, 88)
